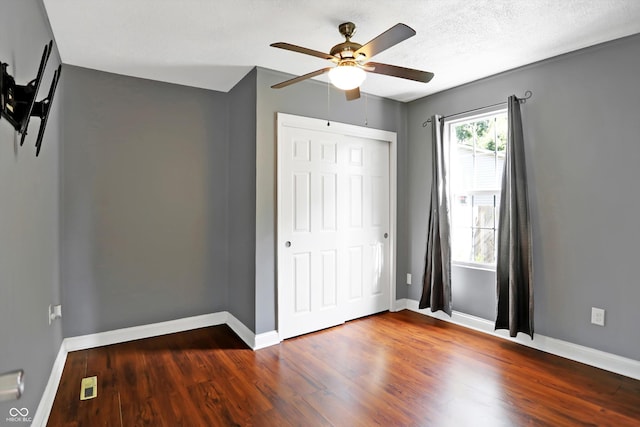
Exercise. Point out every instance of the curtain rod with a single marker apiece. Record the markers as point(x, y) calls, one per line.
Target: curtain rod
point(528, 94)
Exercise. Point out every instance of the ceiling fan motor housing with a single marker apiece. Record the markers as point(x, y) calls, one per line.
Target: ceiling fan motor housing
point(347, 48)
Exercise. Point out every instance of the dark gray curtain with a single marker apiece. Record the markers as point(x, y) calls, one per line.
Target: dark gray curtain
point(514, 270)
point(436, 289)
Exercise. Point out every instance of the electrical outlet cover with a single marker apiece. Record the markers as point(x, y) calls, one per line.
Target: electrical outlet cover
point(597, 316)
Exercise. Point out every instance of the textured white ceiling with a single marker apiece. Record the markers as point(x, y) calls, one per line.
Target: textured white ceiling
point(213, 43)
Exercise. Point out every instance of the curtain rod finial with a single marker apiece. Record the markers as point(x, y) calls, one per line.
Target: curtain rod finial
point(528, 94)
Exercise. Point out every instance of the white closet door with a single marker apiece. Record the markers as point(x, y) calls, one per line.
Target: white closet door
point(333, 226)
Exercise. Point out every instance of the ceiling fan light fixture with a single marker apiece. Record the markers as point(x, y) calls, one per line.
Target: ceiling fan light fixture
point(352, 60)
point(347, 76)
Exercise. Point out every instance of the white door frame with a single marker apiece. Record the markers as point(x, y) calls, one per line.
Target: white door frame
point(289, 120)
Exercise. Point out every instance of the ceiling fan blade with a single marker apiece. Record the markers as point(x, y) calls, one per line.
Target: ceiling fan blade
point(402, 72)
point(384, 41)
point(300, 78)
point(352, 94)
point(300, 49)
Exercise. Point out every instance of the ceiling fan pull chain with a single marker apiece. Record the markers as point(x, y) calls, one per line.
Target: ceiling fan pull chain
point(328, 95)
point(366, 110)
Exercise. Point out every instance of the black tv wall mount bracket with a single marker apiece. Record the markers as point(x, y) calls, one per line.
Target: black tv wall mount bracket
point(18, 103)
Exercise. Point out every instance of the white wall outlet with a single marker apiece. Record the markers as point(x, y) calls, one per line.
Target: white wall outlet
point(408, 278)
point(597, 316)
point(55, 312)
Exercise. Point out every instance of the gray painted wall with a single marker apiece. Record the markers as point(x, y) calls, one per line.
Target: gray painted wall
point(242, 200)
point(583, 149)
point(165, 211)
point(29, 191)
point(308, 99)
point(144, 201)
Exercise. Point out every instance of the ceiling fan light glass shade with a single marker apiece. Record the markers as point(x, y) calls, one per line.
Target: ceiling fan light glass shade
point(347, 76)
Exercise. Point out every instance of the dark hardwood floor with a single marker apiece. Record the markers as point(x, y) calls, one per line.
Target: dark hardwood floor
point(392, 369)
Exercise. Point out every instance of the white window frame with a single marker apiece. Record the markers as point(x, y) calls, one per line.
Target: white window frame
point(450, 144)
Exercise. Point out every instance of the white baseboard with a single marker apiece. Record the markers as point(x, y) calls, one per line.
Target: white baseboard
point(116, 336)
point(241, 330)
point(100, 339)
point(589, 356)
point(400, 304)
point(48, 396)
point(266, 339)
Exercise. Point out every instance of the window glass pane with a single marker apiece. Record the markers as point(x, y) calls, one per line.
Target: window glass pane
point(501, 130)
point(484, 176)
point(463, 175)
point(464, 134)
point(499, 169)
point(483, 211)
point(485, 135)
point(461, 214)
point(477, 156)
point(484, 246)
point(461, 248)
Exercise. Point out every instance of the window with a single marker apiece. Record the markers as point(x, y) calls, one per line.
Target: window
point(477, 151)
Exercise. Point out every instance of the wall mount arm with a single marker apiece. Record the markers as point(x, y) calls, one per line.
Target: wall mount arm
point(18, 103)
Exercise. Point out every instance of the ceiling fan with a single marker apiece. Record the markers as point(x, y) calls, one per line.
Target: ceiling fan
point(353, 60)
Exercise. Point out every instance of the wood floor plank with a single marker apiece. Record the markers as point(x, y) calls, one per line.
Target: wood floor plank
point(296, 412)
point(68, 395)
point(390, 369)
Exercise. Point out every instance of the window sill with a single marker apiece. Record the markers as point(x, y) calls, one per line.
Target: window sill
point(474, 266)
